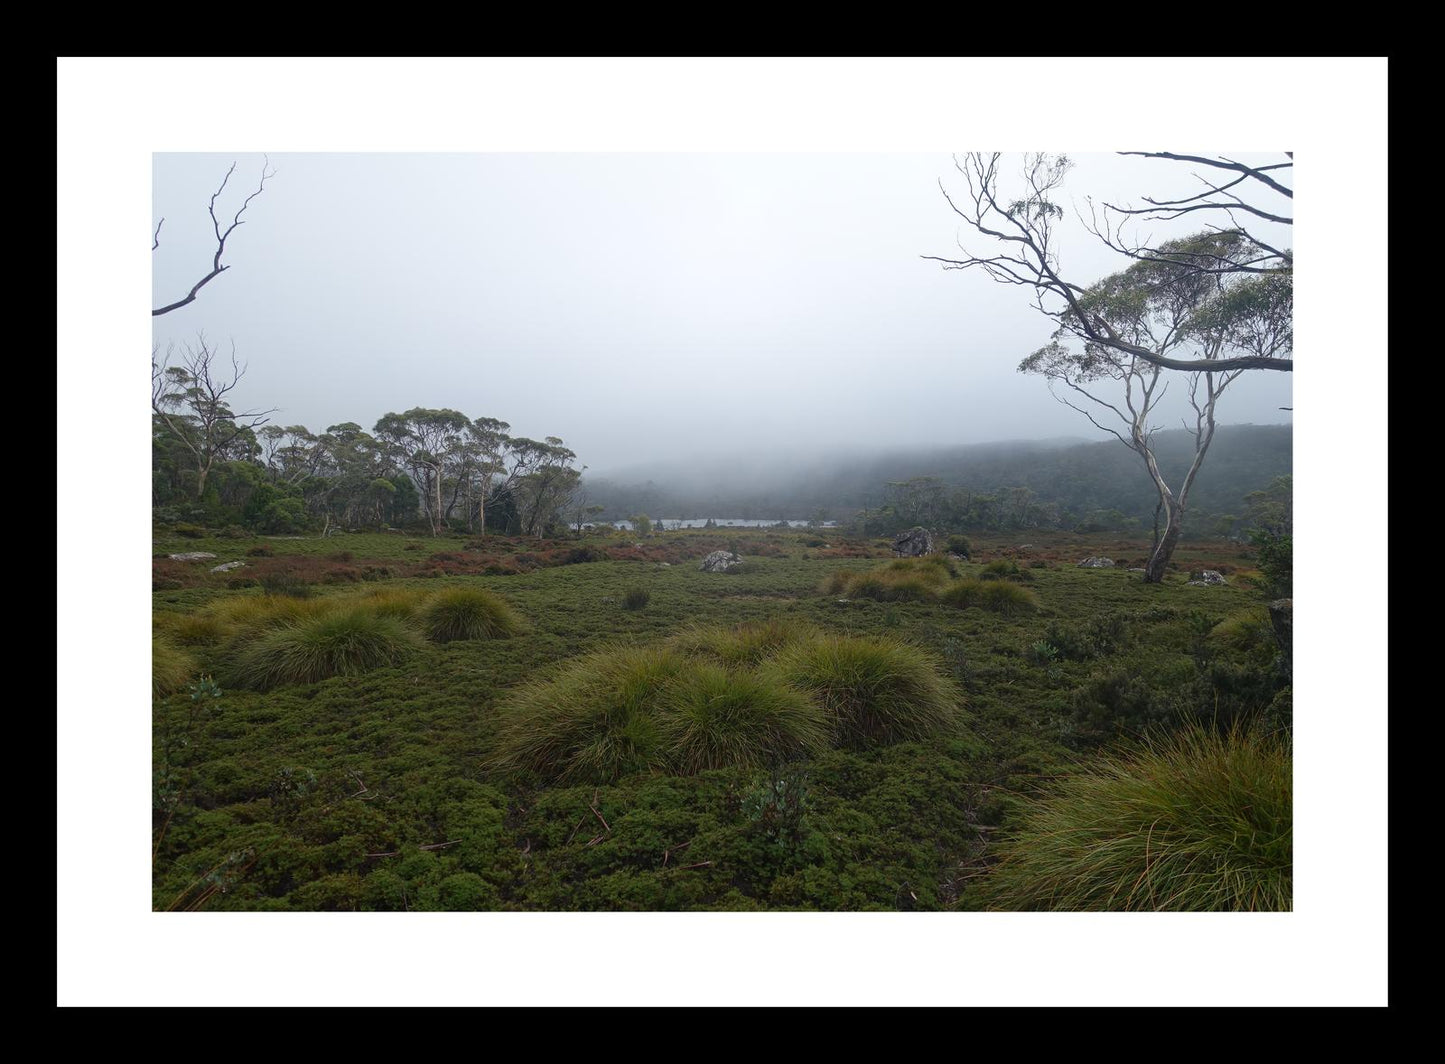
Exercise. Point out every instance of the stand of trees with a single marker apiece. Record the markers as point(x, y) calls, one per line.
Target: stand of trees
point(433, 467)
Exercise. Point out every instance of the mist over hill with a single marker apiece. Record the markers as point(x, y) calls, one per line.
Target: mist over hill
point(1069, 483)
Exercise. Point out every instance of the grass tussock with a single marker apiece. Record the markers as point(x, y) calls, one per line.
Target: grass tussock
point(715, 717)
point(901, 580)
point(874, 689)
point(171, 668)
point(392, 602)
point(1200, 821)
point(593, 721)
point(196, 629)
point(250, 615)
point(745, 645)
point(997, 596)
point(469, 613)
point(337, 643)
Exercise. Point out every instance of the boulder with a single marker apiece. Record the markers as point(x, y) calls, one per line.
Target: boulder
point(192, 556)
point(720, 561)
point(1207, 578)
point(913, 543)
point(228, 566)
point(1097, 563)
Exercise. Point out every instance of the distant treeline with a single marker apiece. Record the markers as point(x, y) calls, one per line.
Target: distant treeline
point(436, 468)
point(992, 487)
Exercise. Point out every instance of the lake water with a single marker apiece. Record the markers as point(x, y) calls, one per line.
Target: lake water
point(722, 522)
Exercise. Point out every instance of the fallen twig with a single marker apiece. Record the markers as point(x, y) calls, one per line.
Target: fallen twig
point(599, 815)
point(700, 864)
point(439, 845)
point(671, 850)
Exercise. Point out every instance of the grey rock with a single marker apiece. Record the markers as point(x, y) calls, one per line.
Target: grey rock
point(1207, 578)
point(720, 561)
point(228, 566)
point(913, 543)
point(1097, 563)
point(192, 556)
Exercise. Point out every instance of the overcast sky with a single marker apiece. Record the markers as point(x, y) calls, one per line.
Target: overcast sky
point(640, 306)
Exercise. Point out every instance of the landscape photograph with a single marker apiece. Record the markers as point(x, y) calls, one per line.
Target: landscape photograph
point(573, 558)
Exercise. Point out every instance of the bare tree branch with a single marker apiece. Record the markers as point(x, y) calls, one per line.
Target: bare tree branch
point(1258, 173)
point(217, 268)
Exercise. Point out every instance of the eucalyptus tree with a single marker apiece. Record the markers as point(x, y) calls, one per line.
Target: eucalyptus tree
point(1174, 309)
point(190, 402)
point(424, 440)
point(1213, 305)
point(543, 480)
point(488, 439)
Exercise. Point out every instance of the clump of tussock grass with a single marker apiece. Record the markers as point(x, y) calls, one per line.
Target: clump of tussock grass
point(335, 643)
point(714, 717)
point(932, 566)
point(744, 645)
point(999, 596)
point(171, 668)
point(391, 602)
point(636, 598)
point(874, 689)
point(1199, 821)
point(197, 629)
point(469, 613)
point(593, 721)
point(901, 580)
point(248, 615)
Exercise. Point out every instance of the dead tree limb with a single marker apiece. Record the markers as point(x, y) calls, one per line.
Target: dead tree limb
point(217, 267)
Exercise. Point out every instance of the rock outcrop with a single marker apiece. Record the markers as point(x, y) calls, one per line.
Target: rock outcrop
point(1097, 563)
point(720, 561)
point(192, 556)
point(913, 543)
point(1207, 578)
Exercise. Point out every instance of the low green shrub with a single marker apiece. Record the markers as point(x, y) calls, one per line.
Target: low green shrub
point(468, 613)
point(960, 545)
point(1246, 632)
point(636, 598)
point(466, 892)
point(284, 584)
point(1116, 701)
point(1199, 821)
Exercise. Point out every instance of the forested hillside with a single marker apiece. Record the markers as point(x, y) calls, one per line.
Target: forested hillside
point(1098, 486)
